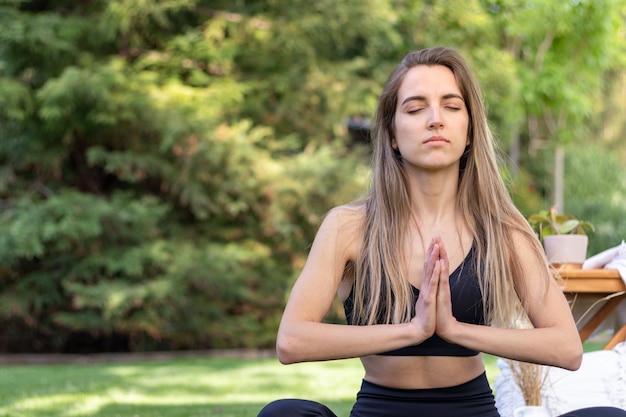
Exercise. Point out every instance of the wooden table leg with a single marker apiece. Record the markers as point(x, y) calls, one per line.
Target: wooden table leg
point(619, 337)
point(599, 317)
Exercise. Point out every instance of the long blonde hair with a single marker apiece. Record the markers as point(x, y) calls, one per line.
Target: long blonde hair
point(382, 291)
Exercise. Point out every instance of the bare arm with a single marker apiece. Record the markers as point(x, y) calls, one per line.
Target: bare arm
point(303, 337)
point(554, 340)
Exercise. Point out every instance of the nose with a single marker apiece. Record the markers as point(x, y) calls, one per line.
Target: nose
point(435, 121)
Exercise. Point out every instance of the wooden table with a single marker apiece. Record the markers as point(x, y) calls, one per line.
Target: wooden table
point(600, 283)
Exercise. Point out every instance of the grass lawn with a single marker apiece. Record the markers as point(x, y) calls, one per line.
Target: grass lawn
point(221, 387)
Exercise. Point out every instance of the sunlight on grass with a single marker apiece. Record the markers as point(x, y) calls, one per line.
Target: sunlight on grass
point(221, 387)
point(308, 380)
point(44, 404)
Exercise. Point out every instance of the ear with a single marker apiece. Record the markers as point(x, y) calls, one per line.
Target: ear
point(395, 148)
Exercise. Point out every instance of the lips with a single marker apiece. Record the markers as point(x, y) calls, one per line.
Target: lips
point(436, 139)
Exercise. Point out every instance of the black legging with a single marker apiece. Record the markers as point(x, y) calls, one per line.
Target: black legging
point(471, 399)
point(296, 408)
point(306, 408)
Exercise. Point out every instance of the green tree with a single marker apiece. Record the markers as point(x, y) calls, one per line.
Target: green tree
point(164, 164)
point(563, 51)
point(142, 206)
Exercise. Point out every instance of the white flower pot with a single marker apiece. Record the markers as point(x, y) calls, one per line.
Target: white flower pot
point(566, 249)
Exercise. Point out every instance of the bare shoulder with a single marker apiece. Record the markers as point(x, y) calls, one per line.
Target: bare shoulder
point(348, 222)
point(534, 267)
point(345, 219)
point(347, 215)
point(521, 241)
point(345, 224)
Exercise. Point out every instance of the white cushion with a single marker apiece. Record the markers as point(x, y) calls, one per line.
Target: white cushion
point(600, 381)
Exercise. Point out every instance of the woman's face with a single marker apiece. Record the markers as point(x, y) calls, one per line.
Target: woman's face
point(431, 119)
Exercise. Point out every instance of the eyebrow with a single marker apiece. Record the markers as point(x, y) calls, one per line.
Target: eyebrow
point(422, 98)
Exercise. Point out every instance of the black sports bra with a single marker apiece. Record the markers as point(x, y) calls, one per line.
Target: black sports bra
point(467, 307)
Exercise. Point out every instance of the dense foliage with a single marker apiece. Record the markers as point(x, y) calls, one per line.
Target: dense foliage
point(164, 164)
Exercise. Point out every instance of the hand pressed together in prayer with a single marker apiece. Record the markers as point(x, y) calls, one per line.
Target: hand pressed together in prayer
point(433, 309)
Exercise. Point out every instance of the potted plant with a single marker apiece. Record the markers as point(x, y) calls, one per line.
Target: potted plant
point(564, 236)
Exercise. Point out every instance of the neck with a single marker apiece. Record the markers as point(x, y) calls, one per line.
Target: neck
point(434, 197)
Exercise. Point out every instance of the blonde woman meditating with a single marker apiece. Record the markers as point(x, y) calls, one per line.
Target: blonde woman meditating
point(434, 266)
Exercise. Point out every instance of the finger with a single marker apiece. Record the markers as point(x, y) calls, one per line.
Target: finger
point(445, 263)
point(445, 317)
point(443, 254)
point(435, 278)
point(429, 264)
point(444, 276)
point(443, 288)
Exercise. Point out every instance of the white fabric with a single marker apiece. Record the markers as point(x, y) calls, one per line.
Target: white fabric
point(600, 381)
point(614, 258)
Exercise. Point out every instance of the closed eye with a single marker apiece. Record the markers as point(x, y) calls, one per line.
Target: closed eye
point(413, 111)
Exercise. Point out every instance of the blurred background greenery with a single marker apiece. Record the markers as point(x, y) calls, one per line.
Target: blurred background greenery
point(164, 164)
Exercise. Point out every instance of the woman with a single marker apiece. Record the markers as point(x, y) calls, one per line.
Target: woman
point(435, 265)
